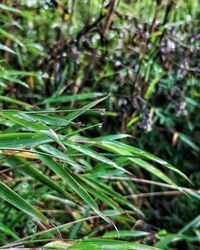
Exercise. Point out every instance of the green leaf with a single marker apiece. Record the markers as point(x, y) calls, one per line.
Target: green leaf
point(103, 244)
point(87, 151)
point(49, 120)
point(72, 98)
point(195, 223)
point(100, 138)
point(189, 142)
point(31, 170)
point(125, 234)
point(76, 114)
point(152, 86)
point(32, 124)
point(13, 198)
point(59, 155)
point(114, 147)
point(14, 101)
point(7, 49)
point(24, 120)
point(6, 231)
point(117, 196)
point(19, 140)
point(9, 8)
point(62, 172)
point(78, 226)
point(149, 156)
point(97, 193)
point(10, 36)
point(165, 241)
point(13, 79)
point(22, 73)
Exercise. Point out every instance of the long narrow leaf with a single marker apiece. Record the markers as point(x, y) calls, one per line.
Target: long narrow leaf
point(61, 171)
point(13, 198)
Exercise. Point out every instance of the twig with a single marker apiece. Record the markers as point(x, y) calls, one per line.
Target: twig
point(61, 227)
point(138, 180)
point(153, 194)
point(109, 18)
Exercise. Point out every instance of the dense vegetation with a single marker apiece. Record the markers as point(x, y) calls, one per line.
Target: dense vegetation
point(100, 124)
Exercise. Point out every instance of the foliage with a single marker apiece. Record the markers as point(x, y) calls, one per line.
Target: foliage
point(69, 169)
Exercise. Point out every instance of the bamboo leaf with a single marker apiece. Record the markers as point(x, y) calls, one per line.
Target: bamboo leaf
point(32, 124)
point(31, 170)
point(7, 49)
point(76, 114)
point(13, 198)
point(87, 151)
point(103, 244)
point(125, 234)
point(72, 98)
point(117, 196)
point(61, 171)
point(7, 231)
point(14, 101)
point(113, 147)
point(151, 157)
point(19, 140)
